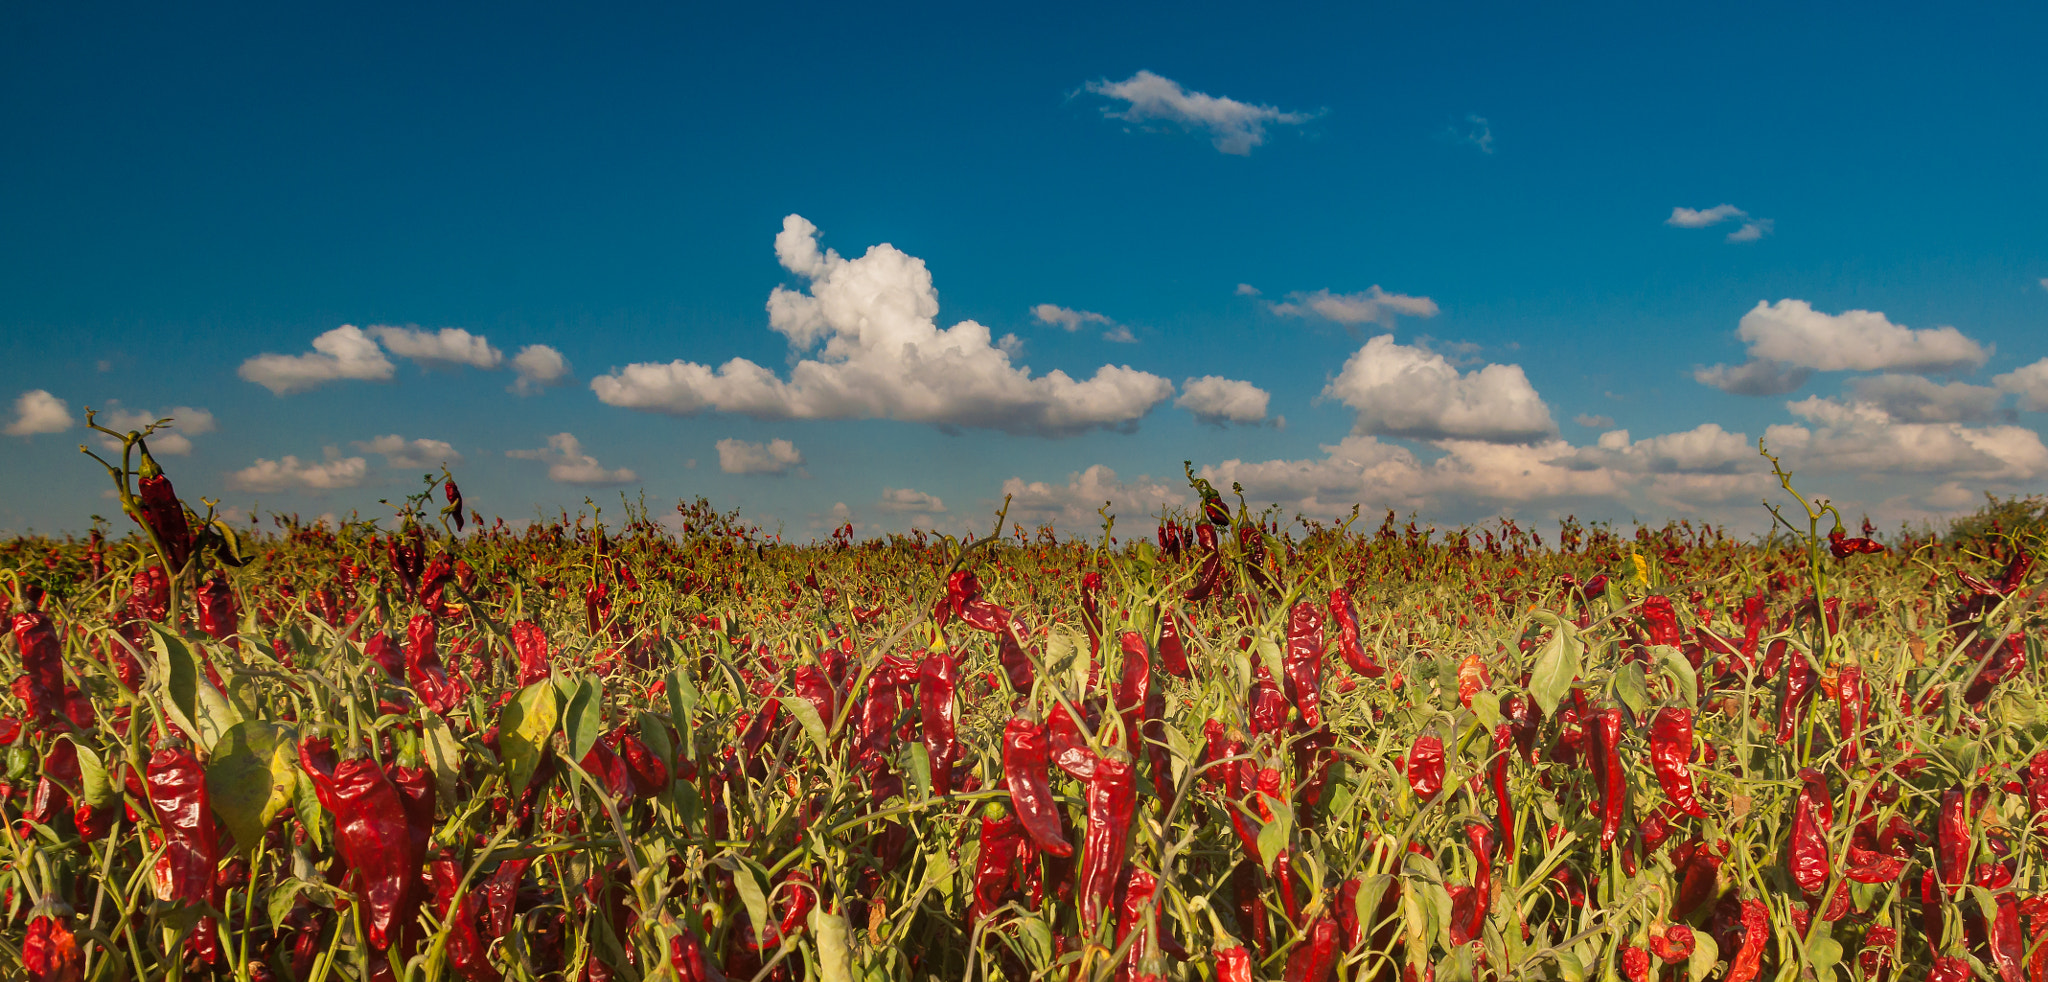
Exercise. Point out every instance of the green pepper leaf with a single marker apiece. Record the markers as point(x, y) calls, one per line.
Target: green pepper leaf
point(523, 728)
point(444, 755)
point(250, 779)
point(807, 717)
point(1556, 665)
point(1632, 687)
point(583, 717)
point(835, 963)
point(96, 786)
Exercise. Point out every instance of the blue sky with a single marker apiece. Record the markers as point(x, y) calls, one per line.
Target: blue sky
point(1484, 240)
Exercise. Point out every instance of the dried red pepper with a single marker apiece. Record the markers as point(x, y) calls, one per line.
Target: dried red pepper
point(219, 616)
point(1497, 771)
point(1302, 661)
point(163, 513)
point(1671, 756)
point(372, 833)
point(1756, 930)
point(50, 952)
point(1854, 697)
point(1068, 747)
point(1172, 650)
point(1001, 840)
point(1133, 687)
point(42, 681)
point(1346, 619)
point(1025, 759)
point(1426, 766)
point(1316, 959)
point(1233, 964)
point(1614, 777)
point(937, 678)
point(1812, 816)
point(1795, 693)
point(1112, 798)
point(177, 794)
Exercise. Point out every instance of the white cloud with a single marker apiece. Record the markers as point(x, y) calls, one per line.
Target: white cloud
point(1755, 377)
point(1791, 331)
point(538, 366)
point(884, 356)
point(1468, 475)
point(1752, 230)
point(1062, 317)
point(343, 353)
point(774, 457)
point(568, 464)
point(1072, 506)
point(1234, 127)
point(288, 474)
point(1480, 133)
point(1703, 217)
point(1217, 400)
point(410, 454)
point(448, 346)
point(2031, 382)
point(1704, 449)
point(1248, 290)
point(1412, 392)
point(37, 411)
point(1374, 306)
point(1914, 399)
point(175, 440)
point(910, 500)
point(1862, 438)
point(1120, 334)
point(1594, 421)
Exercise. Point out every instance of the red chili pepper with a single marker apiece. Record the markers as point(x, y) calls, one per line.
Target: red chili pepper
point(1671, 755)
point(2037, 790)
point(936, 680)
point(1954, 841)
point(1635, 964)
point(177, 794)
point(1024, 764)
point(1426, 766)
point(530, 642)
point(218, 614)
point(1350, 930)
point(1302, 662)
point(1854, 697)
point(1503, 741)
point(1698, 882)
point(423, 668)
point(813, 687)
point(1172, 650)
point(453, 495)
point(2002, 935)
point(1950, 969)
point(1346, 620)
point(1001, 839)
point(1139, 889)
point(164, 513)
point(1661, 618)
point(1756, 930)
point(372, 833)
point(468, 952)
point(1614, 778)
point(1068, 747)
point(1812, 816)
point(1795, 693)
point(1209, 579)
point(41, 685)
point(1481, 839)
point(49, 951)
point(1134, 685)
point(1523, 718)
point(1268, 708)
point(1315, 960)
point(1091, 610)
point(1112, 799)
point(1233, 964)
point(1674, 945)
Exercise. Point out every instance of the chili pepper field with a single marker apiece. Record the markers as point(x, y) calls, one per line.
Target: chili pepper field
point(1221, 745)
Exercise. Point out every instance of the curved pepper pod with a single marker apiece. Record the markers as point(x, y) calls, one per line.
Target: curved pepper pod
point(42, 664)
point(1303, 662)
point(1173, 654)
point(1112, 797)
point(372, 831)
point(1671, 756)
point(1426, 766)
point(936, 680)
point(1346, 619)
point(177, 794)
point(1024, 763)
point(1133, 688)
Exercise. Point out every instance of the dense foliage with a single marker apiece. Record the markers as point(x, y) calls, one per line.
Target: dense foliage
point(1230, 751)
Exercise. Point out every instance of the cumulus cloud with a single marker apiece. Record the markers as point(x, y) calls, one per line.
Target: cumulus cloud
point(905, 500)
point(1704, 449)
point(568, 464)
point(343, 353)
point(410, 454)
point(1074, 505)
point(1413, 392)
point(1234, 127)
point(538, 366)
point(1217, 400)
point(1374, 306)
point(449, 346)
point(773, 457)
point(37, 411)
point(1862, 438)
point(883, 355)
point(291, 474)
point(175, 440)
point(1248, 290)
point(1915, 399)
point(1468, 474)
point(1065, 318)
point(1594, 421)
point(2031, 382)
point(1791, 331)
point(1755, 377)
point(1751, 230)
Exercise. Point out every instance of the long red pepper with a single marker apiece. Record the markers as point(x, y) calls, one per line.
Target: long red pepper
point(1756, 929)
point(1267, 707)
point(372, 832)
point(1954, 841)
point(42, 662)
point(177, 794)
point(164, 513)
point(1812, 816)
point(1854, 696)
point(1316, 959)
point(1068, 747)
point(1671, 756)
point(1172, 650)
point(1614, 793)
point(218, 615)
point(1001, 838)
point(1426, 766)
point(936, 680)
point(1303, 661)
point(1794, 694)
point(1233, 964)
point(1024, 762)
point(1346, 619)
point(1139, 889)
point(1112, 798)
point(1133, 687)
point(1497, 771)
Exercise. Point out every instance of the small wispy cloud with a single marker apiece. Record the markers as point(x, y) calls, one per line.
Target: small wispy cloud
point(1234, 127)
point(1477, 132)
point(1373, 305)
point(1751, 229)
